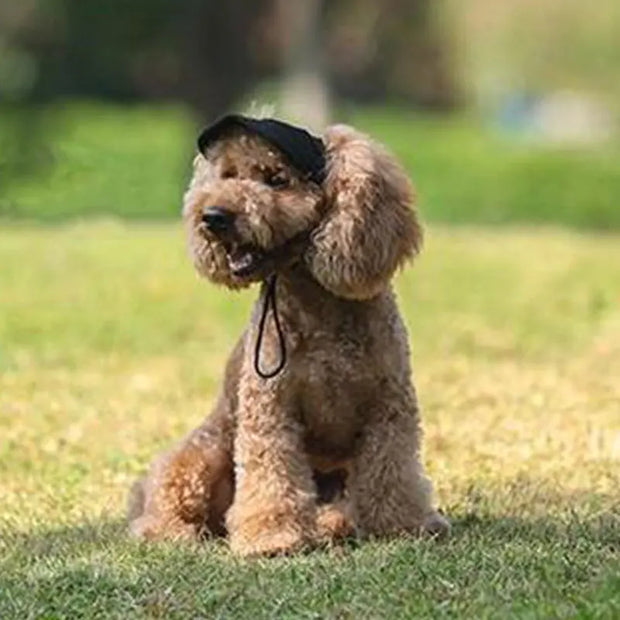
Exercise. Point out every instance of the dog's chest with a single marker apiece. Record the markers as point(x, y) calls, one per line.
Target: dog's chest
point(341, 353)
point(336, 383)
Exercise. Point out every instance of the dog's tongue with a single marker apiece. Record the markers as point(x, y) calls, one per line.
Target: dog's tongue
point(242, 261)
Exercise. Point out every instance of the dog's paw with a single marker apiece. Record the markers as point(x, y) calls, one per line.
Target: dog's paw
point(436, 526)
point(150, 528)
point(334, 523)
point(269, 544)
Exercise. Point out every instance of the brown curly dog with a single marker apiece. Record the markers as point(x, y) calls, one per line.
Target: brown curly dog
point(329, 445)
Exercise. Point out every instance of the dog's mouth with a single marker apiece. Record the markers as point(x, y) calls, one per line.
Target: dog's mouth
point(248, 261)
point(245, 260)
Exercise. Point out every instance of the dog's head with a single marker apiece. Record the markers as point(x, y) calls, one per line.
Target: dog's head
point(255, 205)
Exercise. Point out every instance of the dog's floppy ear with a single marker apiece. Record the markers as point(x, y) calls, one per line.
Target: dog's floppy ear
point(370, 227)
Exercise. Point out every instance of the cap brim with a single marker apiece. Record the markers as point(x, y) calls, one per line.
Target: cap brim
point(214, 132)
point(305, 151)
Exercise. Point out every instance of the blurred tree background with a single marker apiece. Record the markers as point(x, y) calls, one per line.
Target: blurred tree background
point(209, 53)
point(520, 68)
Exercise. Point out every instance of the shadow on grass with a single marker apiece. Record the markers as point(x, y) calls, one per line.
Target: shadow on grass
point(94, 569)
point(526, 510)
point(601, 531)
point(62, 540)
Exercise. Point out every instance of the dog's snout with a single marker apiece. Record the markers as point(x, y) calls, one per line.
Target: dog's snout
point(218, 219)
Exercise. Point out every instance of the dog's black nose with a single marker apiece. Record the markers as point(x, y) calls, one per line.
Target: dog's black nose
point(218, 219)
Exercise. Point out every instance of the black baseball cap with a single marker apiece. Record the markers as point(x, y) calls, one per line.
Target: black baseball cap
point(305, 151)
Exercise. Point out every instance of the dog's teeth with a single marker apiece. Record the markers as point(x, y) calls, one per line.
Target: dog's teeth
point(241, 262)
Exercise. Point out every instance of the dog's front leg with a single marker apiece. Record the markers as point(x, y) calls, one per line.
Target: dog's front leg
point(390, 491)
point(274, 510)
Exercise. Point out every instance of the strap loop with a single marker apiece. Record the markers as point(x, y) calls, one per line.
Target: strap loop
point(269, 300)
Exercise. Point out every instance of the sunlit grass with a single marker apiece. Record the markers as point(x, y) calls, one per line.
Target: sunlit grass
point(111, 349)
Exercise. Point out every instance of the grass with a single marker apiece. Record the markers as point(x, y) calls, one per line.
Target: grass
point(81, 159)
point(85, 159)
point(111, 349)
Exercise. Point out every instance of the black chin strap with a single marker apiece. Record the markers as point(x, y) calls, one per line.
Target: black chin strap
point(291, 249)
point(269, 300)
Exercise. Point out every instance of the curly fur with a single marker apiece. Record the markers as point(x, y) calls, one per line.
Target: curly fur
point(330, 446)
point(371, 229)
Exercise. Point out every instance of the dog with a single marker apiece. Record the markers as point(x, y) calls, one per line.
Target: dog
point(315, 435)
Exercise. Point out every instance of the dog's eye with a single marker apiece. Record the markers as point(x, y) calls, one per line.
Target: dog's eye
point(229, 173)
point(277, 180)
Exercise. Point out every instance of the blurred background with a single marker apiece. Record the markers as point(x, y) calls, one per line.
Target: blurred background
point(501, 111)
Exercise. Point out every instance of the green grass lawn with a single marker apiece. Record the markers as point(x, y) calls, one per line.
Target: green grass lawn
point(81, 159)
point(111, 349)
